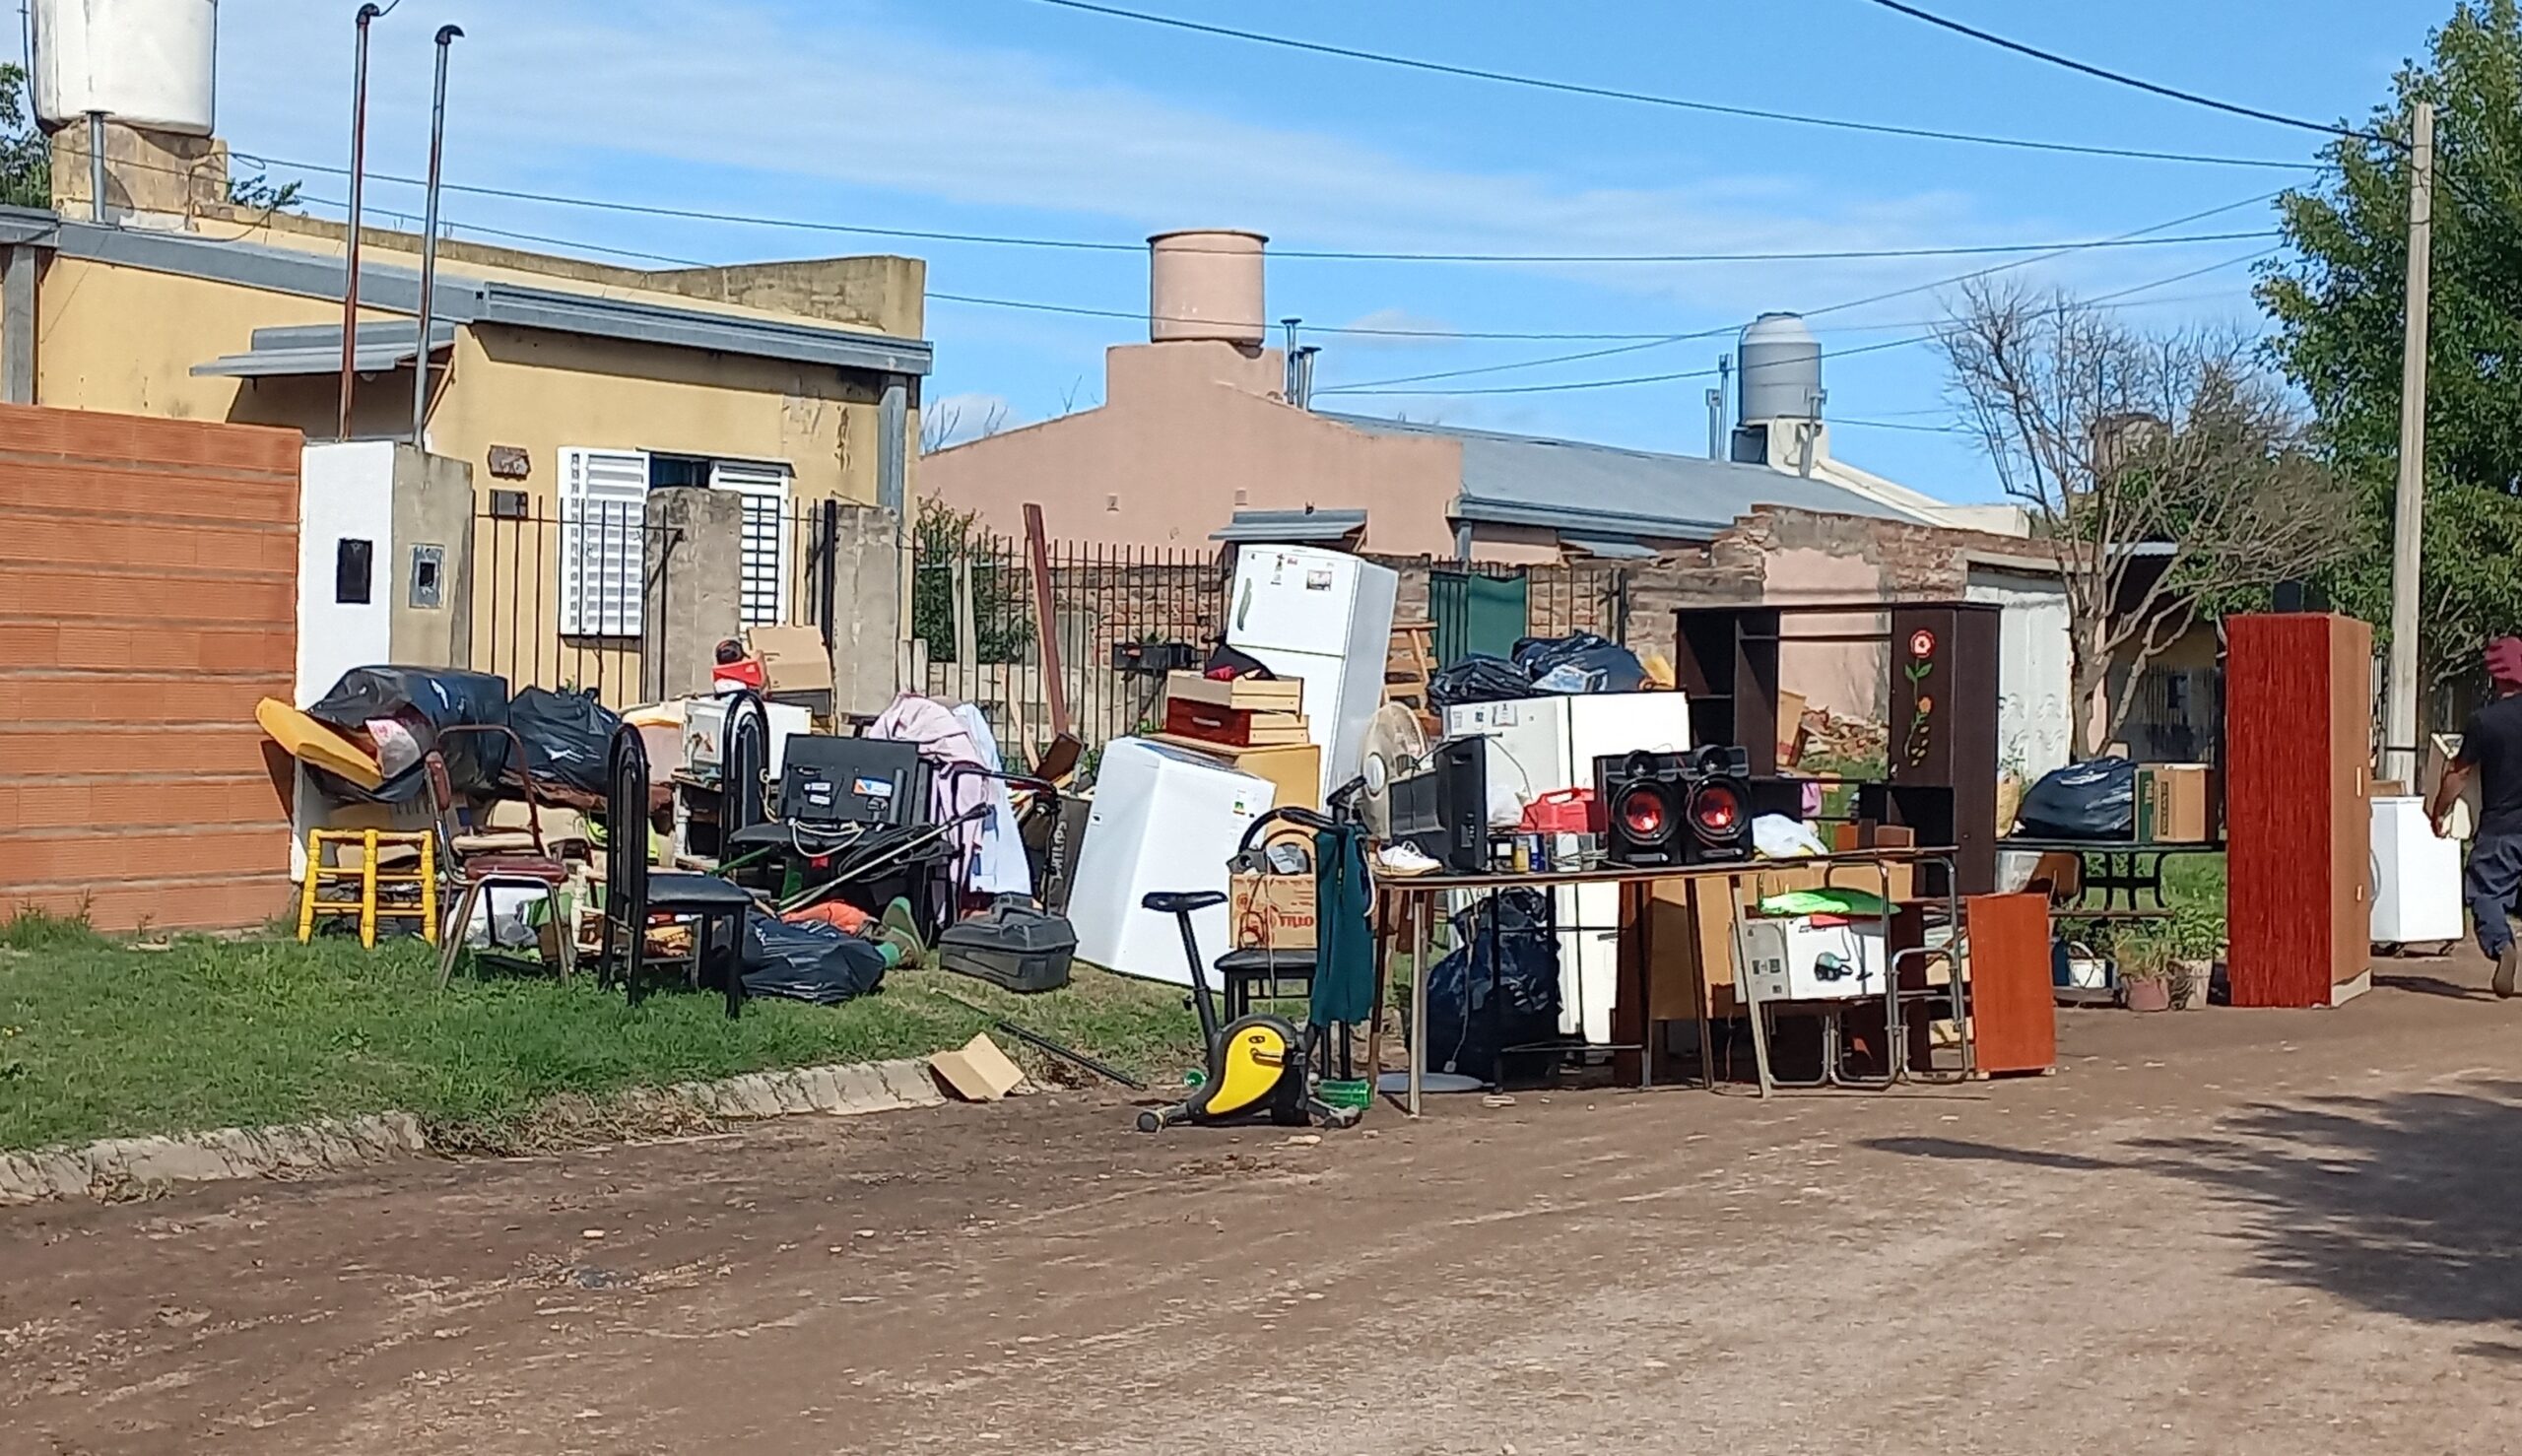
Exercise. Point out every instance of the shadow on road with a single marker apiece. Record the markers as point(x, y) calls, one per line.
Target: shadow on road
point(2430, 985)
point(2408, 1204)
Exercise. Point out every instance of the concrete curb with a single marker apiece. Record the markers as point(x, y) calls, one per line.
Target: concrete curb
point(124, 1168)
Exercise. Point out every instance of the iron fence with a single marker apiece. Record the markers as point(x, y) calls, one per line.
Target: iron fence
point(560, 592)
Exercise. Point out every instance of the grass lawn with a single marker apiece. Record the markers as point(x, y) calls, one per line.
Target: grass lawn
point(99, 1037)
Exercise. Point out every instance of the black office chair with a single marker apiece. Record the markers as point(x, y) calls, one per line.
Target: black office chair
point(633, 891)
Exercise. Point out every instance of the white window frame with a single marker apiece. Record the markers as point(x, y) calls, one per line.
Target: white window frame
point(603, 547)
point(763, 585)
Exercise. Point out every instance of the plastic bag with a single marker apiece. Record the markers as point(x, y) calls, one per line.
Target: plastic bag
point(2093, 800)
point(1580, 662)
point(1777, 836)
point(567, 737)
point(1463, 1032)
point(1477, 678)
point(806, 962)
point(424, 701)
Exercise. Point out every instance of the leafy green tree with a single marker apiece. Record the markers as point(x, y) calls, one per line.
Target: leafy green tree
point(26, 156)
point(2339, 305)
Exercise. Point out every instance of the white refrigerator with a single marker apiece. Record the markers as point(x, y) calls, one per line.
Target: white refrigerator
point(1162, 820)
point(1549, 744)
point(1323, 617)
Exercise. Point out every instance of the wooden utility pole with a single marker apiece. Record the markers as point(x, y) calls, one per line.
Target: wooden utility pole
point(2408, 514)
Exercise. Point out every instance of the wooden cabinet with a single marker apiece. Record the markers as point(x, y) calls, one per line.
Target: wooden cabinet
point(2298, 714)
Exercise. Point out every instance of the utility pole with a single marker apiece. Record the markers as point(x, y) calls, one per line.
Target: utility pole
point(2408, 513)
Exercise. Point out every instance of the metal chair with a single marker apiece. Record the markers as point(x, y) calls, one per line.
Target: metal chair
point(538, 872)
point(634, 892)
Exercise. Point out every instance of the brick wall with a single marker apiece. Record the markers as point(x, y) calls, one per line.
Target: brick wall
point(148, 600)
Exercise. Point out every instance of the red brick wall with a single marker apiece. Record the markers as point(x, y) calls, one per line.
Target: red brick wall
point(148, 600)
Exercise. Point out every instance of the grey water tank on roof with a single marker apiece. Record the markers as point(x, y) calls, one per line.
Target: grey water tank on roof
point(1780, 362)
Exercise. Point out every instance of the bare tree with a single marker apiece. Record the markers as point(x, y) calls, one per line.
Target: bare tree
point(2168, 475)
point(942, 425)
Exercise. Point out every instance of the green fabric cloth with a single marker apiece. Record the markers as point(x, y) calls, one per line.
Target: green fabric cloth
point(1344, 957)
point(1826, 901)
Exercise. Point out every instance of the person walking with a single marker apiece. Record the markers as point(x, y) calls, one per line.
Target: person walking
point(2492, 751)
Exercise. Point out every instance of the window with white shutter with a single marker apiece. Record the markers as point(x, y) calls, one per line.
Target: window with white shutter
point(764, 592)
point(603, 503)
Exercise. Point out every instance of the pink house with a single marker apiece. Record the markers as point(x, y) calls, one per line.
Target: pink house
point(1196, 441)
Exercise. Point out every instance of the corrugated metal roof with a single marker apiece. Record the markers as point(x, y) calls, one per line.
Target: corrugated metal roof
point(1614, 551)
point(317, 350)
point(1534, 480)
point(1291, 525)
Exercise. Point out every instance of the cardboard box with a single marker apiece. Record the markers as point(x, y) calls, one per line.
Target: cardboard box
point(792, 657)
point(1295, 769)
point(1252, 695)
point(1271, 912)
point(2172, 804)
point(977, 1071)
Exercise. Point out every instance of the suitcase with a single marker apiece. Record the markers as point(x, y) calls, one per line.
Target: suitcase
point(1015, 943)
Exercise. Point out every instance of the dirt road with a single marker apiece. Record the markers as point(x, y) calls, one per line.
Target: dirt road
point(2217, 1231)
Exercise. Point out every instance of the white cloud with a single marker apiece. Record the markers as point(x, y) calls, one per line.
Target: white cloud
point(571, 94)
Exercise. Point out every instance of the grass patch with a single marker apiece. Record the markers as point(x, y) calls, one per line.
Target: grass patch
point(102, 1038)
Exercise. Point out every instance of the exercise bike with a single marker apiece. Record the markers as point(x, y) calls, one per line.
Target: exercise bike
point(1258, 1065)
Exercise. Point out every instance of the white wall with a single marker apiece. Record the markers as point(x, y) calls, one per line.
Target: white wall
point(345, 491)
point(2034, 670)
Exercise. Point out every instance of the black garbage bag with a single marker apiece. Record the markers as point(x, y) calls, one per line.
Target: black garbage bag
point(427, 700)
point(2093, 800)
point(1580, 662)
point(1463, 1033)
point(567, 737)
point(1477, 678)
point(809, 962)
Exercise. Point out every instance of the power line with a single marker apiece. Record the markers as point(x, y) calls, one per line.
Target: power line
point(1344, 255)
point(2117, 77)
point(1606, 93)
point(1903, 342)
point(1379, 385)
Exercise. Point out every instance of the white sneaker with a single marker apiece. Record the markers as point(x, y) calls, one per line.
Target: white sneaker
point(1404, 858)
point(2506, 966)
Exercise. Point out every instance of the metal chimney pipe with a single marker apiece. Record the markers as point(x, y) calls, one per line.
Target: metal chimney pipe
point(1302, 367)
point(1716, 425)
point(350, 265)
point(97, 167)
point(446, 36)
point(1287, 360)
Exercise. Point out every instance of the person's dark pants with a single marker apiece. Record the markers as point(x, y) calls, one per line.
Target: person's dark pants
point(2496, 872)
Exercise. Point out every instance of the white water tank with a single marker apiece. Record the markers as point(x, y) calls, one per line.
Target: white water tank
point(1781, 367)
point(146, 64)
point(1205, 284)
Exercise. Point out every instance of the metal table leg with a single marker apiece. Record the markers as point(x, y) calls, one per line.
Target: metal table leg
point(1417, 998)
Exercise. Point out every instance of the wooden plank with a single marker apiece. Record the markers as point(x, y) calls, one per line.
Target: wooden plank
point(2014, 1014)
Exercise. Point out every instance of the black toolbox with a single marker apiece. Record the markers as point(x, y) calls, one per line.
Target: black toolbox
point(1015, 943)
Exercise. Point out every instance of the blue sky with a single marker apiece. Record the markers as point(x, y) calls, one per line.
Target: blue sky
point(1009, 116)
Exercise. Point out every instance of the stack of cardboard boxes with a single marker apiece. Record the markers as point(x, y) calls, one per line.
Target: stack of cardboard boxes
point(1255, 725)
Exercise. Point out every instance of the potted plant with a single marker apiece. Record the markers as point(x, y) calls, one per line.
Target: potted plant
point(2197, 942)
point(2145, 971)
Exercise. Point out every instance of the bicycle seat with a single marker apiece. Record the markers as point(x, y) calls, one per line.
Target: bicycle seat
point(1182, 902)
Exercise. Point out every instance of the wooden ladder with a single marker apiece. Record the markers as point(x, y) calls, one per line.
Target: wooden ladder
point(1407, 669)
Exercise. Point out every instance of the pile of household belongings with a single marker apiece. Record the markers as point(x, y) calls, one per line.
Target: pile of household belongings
point(1580, 662)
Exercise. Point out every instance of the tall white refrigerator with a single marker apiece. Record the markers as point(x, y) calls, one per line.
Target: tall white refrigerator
point(1162, 820)
point(1324, 616)
point(1548, 744)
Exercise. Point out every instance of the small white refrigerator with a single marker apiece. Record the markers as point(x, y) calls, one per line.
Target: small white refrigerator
point(1549, 744)
point(2416, 877)
point(1323, 617)
point(1162, 820)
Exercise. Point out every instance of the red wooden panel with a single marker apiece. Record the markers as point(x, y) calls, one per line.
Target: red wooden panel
point(2296, 709)
point(2014, 1015)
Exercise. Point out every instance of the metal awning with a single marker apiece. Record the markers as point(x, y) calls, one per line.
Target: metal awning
point(1613, 551)
point(1277, 526)
point(316, 349)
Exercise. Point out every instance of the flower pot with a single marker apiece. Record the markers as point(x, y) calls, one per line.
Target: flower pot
point(2190, 981)
point(2149, 995)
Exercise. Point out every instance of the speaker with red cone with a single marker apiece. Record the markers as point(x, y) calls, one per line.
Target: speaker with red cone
point(1676, 809)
